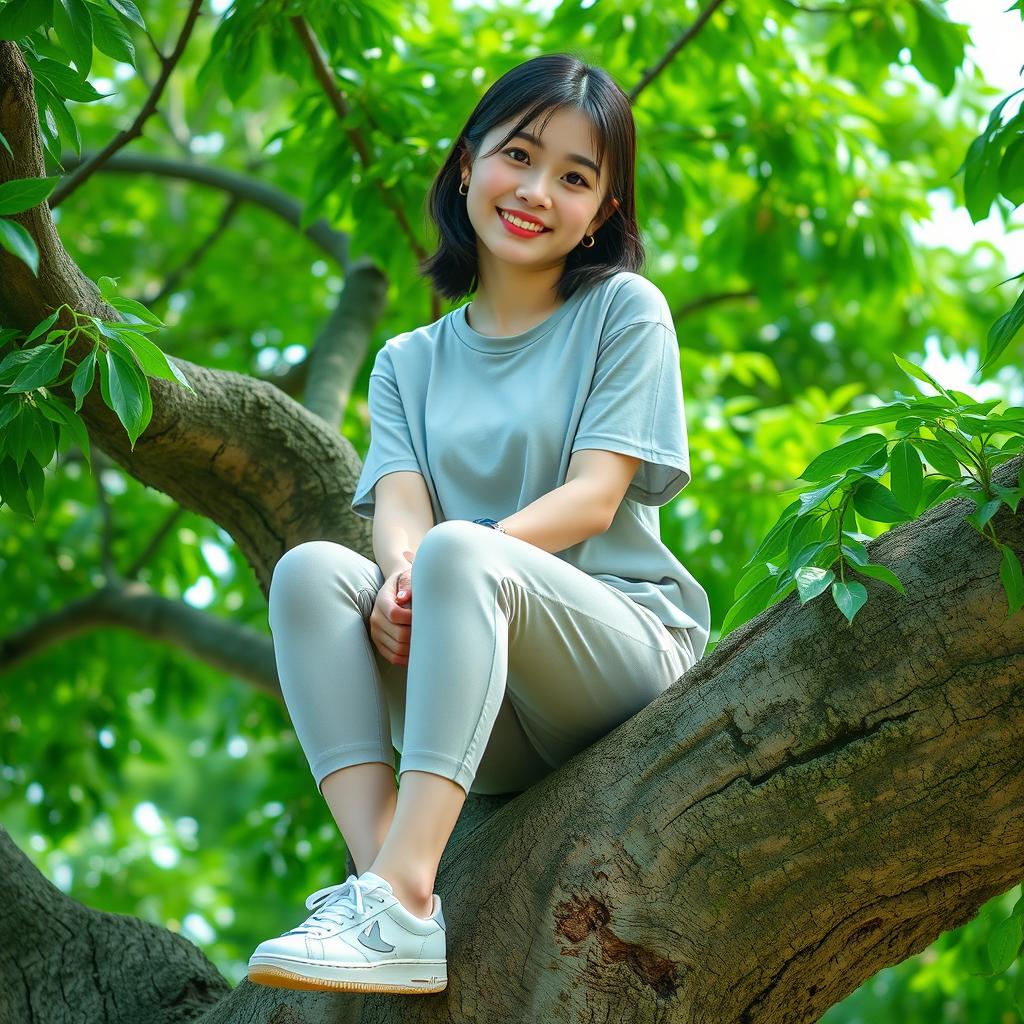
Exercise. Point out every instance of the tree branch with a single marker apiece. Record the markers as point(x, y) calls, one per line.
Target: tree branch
point(154, 542)
point(337, 101)
point(330, 240)
point(702, 302)
point(687, 37)
point(194, 258)
point(222, 644)
point(69, 183)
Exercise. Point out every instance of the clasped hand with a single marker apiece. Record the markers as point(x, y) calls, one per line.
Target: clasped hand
point(391, 618)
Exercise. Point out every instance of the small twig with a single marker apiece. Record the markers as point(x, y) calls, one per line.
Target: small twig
point(155, 541)
point(687, 37)
point(192, 260)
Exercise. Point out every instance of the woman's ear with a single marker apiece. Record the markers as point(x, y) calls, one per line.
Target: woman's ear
point(614, 204)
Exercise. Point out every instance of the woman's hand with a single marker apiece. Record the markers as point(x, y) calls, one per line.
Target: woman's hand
point(391, 619)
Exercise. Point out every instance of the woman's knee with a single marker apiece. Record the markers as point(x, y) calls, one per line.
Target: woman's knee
point(448, 543)
point(306, 572)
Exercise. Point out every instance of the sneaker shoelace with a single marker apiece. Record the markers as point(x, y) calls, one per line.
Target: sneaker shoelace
point(335, 903)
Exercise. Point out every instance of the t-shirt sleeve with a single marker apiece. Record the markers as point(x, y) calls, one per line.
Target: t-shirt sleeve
point(635, 406)
point(391, 446)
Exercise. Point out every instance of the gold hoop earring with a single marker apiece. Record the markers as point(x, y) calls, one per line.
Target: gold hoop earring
point(466, 193)
point(584, 244)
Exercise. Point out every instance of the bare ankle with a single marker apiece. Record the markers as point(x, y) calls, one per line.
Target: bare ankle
point(415, 896)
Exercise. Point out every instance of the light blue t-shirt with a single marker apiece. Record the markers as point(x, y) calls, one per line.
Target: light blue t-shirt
point(491, 422)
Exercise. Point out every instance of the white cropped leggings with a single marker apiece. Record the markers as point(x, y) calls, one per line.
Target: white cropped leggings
point(517, 659)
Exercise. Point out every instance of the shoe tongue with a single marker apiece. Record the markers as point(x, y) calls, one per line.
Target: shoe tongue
point(376, 880)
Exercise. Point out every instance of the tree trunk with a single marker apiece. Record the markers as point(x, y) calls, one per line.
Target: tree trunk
point(810, 803)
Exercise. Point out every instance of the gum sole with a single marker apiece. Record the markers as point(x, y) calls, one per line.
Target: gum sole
point(278, 977)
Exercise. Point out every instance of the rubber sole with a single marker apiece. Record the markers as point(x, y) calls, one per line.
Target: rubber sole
point(324, 978)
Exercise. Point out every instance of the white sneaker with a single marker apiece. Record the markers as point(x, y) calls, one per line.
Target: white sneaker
point(359, 939)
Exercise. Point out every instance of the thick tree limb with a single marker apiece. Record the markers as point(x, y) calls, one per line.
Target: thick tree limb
point(813, 801)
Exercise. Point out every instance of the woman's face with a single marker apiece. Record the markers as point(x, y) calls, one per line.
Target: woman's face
point(545, 179)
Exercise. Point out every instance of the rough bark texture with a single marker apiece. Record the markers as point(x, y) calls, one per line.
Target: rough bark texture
point(812, 802)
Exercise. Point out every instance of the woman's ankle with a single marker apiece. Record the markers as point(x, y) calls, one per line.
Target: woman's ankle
point(416, 897)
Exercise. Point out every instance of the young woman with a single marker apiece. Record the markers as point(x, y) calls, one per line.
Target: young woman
point(519, 449)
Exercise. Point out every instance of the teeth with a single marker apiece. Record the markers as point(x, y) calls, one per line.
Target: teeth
point(520, 223)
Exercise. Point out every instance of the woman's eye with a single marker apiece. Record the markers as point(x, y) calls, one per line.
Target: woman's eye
point(582, 181)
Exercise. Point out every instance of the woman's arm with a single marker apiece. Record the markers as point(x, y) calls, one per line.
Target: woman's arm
point(402, 515)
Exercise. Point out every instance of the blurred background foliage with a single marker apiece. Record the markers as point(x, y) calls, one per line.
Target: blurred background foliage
point(787, 153)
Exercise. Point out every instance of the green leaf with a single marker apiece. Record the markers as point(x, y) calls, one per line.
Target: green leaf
point(1011, 172)
point(849, 597)
point(13, 488)
point(152, 359)
point(65, 122)
point(9, 408)
point(751, 604)
point(108, 287)
point(777, 537)
point(126, 305)
point(21, 194)
point(906, 475)
point(811, 499)
point(939, 456)
point(42, 438)
point(70, 425)
point(915, 371)
point(876, 502)
point(6, 144)
point(843, 457)
point(984, 512)
point(41, 368)
point(111, 36)
point(938, 50)
point(1002, 332)
point(1010, 574)
point(15, 239)
point(811, 581)
point(128, 10)
point(869, 417)
point(880, 572)
point(81, 382)
point(73, 25)
point(43, 326)
point(64, 81)
point(20, 17)
point(125, 389)
point(1003, 943)
point(808, 553)
point(981, 176)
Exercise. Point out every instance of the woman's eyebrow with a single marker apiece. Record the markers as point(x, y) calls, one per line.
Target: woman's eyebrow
point(575, 157)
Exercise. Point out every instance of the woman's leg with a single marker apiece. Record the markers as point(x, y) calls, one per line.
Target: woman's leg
point(578, 658)
point(362, 799)
point(321, 595)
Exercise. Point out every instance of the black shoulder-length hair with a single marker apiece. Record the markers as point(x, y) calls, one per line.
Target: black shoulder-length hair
point(541, 86)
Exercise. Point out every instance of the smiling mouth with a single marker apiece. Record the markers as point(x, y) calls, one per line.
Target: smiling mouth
point(501, 211)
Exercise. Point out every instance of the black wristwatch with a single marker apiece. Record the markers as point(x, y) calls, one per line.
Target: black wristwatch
point(493, 524)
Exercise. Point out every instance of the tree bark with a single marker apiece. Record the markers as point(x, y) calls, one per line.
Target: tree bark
point(811, 802)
